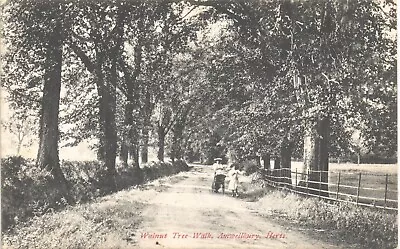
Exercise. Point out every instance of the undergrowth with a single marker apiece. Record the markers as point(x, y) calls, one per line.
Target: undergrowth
point(110, 222)
point(29, 191)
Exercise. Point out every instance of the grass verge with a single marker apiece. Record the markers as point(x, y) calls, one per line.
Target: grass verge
point(109, 222)
point(346, 222)
point(29, 191)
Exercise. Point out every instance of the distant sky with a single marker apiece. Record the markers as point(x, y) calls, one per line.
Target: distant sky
point(9, 142)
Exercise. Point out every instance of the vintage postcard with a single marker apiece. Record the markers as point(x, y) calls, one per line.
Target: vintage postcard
point(199, 124)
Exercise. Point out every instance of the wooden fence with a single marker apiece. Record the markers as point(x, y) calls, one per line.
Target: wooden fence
point(364, 189)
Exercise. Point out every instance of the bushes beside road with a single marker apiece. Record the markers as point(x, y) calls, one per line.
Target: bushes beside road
point(28, 191)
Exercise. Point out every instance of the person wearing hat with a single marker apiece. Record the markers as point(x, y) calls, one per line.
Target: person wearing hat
point(218, 167)
point(219, 175)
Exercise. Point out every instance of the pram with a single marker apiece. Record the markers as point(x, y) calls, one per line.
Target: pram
point(218, 182)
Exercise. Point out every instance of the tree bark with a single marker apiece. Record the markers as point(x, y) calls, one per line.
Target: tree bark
point(108, 136)
point(48, 157)
point(147, 110)
point(126, 146)
point(134, 151)
point(258, 162)
point(106, 87)
point(286, 163)
point(323, 153)
point(267, 161)
point(316, 157)
point(124, 151)
point(161, 143)
point(277, 163)
point(177, 140)
point(144, 153)
point(107, 77)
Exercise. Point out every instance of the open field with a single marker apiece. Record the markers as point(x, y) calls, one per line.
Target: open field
point(353, 167)
point(378, 182)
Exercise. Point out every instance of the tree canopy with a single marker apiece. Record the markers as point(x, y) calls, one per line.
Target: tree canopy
point(204, 77)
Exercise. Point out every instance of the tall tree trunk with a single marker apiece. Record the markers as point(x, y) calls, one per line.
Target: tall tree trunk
point(177, 140)
point(134, 149)
point(277, 162)
point(107, 78)
point(108, 134)
point(19, 147)
point(310, 163)
point(316, 155)
point(124, 153)
point(323, 153)
point(148, 108)
point(286, 163)
point(267, 161)
point(47, 157)
point(144, 153)
point(134, 128)
point(257, 161)
point(174, 146)
point(277, 165)
point(126, 146)
point(161, 143)
point(108, 141)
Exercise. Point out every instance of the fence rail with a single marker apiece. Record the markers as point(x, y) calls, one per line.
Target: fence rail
point(363, 189)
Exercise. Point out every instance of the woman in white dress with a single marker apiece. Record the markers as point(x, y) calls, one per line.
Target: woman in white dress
point(234, 179)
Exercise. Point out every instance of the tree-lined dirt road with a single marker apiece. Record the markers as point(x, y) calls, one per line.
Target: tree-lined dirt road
point(172, 212)
point(185, 214)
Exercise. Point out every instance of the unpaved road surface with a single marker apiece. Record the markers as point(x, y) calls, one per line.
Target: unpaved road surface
point(172, 212)
point(186, 208)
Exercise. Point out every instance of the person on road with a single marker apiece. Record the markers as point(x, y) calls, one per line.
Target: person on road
point(218, 167)
point(233, 175)
point(219, 175)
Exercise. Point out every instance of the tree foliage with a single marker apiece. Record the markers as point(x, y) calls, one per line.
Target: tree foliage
point(206, 77)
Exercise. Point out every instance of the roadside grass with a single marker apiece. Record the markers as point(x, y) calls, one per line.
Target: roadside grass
point(28, 191)
point(108, 222)
point(364, 227)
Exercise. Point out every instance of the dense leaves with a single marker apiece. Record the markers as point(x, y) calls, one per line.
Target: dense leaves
point(204, 78)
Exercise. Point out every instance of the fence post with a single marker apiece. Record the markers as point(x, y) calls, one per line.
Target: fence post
point(386, 187)
point(295, 184)
point(337, 190)
point(358, 188)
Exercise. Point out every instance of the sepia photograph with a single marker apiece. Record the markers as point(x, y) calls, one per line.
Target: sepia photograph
point(199, 124)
